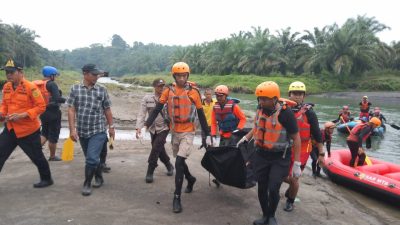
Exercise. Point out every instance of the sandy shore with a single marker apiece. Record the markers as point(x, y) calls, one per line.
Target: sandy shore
point(127, 199)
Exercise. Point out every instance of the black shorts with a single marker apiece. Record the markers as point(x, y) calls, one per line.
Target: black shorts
point(51, 125)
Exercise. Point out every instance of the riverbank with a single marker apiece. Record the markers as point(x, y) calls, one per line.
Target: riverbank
point(127, 199)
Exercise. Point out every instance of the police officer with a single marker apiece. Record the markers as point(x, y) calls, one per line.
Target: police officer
point(158, 130)
point(21, 106)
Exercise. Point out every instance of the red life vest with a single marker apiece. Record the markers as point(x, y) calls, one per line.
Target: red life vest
point(181, 108)
point(41, 85)
point(227, 121)
point(355, 132)
point(345, 116)
point(269, 134)
point(302, 123)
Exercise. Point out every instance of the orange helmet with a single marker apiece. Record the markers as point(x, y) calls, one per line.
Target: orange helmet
point(329, 125)
point(375, 121)
point(222, 89)
point(180, 67)
point(268, 89)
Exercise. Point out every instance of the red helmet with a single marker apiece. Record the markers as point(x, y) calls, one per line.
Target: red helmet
point(345, 107)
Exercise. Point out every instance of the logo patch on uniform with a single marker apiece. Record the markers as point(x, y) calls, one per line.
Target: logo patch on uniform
point(35, 93)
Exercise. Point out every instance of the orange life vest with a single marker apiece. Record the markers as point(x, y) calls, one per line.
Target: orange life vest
point(269, 134)
point(41, 85)
point(364, 107)
point(181, 108)
point(345, 116)
point(356, 131)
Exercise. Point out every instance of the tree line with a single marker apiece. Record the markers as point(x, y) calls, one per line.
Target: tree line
point(343, 52)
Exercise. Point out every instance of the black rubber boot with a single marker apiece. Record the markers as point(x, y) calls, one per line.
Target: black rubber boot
point(272, 221)
point(170, 169)
point(176, 204)
point(98, 177)
point(105, 168)
point(87, 184)
point(189, 188)
point(149, 174)
point(262, 221)
point(43, 183)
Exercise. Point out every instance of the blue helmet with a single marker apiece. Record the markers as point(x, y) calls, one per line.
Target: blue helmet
point(49, 71)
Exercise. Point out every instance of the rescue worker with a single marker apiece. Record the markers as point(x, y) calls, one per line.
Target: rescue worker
point(364, 108)
point(275, 130)
point(344, 115)
point(308, 125)
point(326, 138)
point(227, 115)
point(21, 106)
point(378, 114)
point(51, 118)
point(158, 130)
point(208, 105)
point(183, 100)
point(358, 134)
point(90, 106)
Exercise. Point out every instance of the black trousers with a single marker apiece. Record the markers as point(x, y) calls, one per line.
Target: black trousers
point(353, 146)
point(314, 156)
point(270, 169)
point(157, 149)
point(30, 145)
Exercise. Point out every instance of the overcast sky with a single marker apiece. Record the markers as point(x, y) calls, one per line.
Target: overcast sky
point(69, 24)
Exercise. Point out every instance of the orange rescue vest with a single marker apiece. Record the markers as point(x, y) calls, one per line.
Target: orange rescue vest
point(269, 134)
point(181, 108)
point(41, 85)
point(364, 107)
point(356, 131)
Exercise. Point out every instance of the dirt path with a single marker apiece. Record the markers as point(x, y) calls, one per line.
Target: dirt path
point(127, 199)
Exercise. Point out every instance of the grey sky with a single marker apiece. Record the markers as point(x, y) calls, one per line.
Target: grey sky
point(68, 24)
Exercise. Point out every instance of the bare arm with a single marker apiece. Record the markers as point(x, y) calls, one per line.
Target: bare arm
point(109, 118)
point(71, 122)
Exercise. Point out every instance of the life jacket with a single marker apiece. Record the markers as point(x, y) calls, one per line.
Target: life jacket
point(364, 107)
point(181, 108)
point(227, 121)
point(345, 116)
point(269, 134)
point(302, 123)
point(356, 131)
point(41, 85)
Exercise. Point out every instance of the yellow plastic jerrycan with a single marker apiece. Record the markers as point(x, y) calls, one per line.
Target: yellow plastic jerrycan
point(68, 150)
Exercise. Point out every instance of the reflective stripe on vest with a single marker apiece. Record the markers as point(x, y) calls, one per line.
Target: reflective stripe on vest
point(227, 121)
point(356, 131)
point(180, 107)
point(269, 134)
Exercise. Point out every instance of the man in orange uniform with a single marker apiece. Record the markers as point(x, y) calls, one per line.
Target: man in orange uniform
point(183, 99)
point(227, 115)
point(364, 108)
point(20, 109)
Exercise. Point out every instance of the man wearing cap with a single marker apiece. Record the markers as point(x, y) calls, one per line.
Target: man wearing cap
point(364, 108)
point(90, 105)
point(21, 106)
point(159, 130)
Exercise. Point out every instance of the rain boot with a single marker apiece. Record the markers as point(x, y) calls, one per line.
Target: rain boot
point(262, 221)
point(98, 177)
point(170, 169)
point(191, 180)
point(87, 184)
point(176, 204)
point(149, 174)
point(43, 183)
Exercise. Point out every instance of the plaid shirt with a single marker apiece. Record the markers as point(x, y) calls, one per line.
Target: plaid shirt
point(89, 105)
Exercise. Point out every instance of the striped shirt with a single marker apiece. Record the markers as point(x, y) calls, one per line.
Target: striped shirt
point(89, 105)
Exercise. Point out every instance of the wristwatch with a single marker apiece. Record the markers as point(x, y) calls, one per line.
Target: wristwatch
point(322, 154)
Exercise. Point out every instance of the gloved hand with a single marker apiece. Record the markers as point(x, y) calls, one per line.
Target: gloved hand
point(242, 140)
point(211, 141)
point(296, 169)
